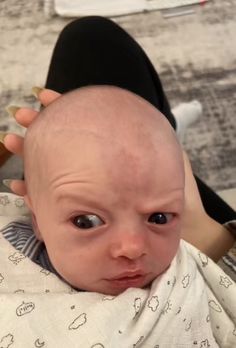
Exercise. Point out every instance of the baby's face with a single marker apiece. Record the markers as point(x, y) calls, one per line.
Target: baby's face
point(108, 216)
point(109, 193)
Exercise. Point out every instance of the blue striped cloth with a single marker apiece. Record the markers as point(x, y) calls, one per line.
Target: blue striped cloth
point(22, 237)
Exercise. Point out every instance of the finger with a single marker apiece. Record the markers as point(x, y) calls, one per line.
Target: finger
point(14, 143)
point(187, 164)
point(189, 178)
point(25, 116)
point(47, 96)
point(18, 187)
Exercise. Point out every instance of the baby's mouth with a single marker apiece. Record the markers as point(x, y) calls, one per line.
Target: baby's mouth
point(129, 274)
point(129, 280)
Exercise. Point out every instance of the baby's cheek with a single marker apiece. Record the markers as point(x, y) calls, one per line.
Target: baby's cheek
point(64, 263)
point(165, 248)
point(78, 272)
point(172, 249)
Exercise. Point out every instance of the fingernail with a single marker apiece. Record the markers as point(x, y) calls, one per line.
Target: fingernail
point(2, 136)
point(36, 91)
point(7, 183)
point(12, 110)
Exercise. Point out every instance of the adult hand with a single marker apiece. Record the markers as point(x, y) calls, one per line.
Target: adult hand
point(15, 143)
point(198, 228)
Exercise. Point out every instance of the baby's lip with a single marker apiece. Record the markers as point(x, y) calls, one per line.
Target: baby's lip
point(127, 280)
point(129, 274)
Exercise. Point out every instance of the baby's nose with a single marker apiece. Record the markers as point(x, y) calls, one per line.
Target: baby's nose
point(129, 244)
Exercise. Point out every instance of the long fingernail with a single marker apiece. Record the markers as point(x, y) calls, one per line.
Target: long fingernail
point(12, 110)
point(7, 183)
point(36, 91)
point(2, 136)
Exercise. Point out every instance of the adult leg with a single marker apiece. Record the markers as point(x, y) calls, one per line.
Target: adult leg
point(96, 51)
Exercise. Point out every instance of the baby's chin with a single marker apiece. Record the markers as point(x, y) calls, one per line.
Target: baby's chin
point(117, 292)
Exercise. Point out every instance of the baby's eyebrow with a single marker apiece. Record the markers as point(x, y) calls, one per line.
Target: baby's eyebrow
point(78, 199)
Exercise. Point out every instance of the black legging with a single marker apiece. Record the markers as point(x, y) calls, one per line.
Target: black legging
point(96, 51)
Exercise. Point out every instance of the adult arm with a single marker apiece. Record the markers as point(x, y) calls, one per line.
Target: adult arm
point(199, 229)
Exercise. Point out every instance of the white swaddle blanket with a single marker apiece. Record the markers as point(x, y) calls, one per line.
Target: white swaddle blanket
point(193, 304)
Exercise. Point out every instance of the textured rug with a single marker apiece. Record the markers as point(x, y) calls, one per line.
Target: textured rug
point(211, 142)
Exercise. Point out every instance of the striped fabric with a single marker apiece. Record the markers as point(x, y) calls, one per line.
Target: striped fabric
point(22, 237)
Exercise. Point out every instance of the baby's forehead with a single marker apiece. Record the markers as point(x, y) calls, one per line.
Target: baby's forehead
point(100, 126)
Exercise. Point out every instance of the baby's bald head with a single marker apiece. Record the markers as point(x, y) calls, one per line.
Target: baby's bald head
point(106, 124)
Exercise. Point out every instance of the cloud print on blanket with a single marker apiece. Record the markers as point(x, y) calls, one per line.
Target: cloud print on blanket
point(25, 308)
point(193, 302)
point(6, 341)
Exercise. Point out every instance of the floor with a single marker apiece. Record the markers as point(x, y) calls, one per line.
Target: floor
point(194, 55)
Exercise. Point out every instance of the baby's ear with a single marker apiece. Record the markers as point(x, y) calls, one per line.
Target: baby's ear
point(36, 228)
point(33, 217)
point(28, 202)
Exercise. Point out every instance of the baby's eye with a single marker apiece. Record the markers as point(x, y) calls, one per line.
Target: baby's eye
point(160, 218)
point(87, 221)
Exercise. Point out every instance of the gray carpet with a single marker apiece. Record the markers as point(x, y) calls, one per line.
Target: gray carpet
point(211, 142)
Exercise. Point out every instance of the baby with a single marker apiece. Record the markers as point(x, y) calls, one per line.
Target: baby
point(105, 186)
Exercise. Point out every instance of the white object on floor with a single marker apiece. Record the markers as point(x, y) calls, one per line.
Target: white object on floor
point(186, 114)
point(72, 8)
